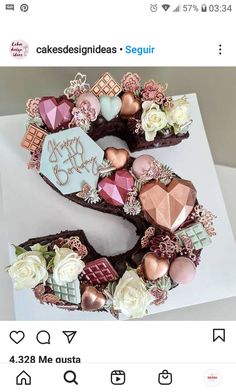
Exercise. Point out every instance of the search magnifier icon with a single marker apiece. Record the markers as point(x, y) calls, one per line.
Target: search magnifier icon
point(70, 377)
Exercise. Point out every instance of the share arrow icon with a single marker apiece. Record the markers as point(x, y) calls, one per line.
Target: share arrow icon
point(70, 335)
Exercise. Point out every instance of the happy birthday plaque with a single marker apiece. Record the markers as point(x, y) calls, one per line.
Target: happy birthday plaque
point(69, 159)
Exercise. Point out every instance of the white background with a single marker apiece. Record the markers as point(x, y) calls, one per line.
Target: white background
point(50, 213)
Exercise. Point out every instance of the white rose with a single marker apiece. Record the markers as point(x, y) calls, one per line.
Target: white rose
point(179, 113)
point(153, 119)
point(29, 270)
point(131, 296)
point(67, 266)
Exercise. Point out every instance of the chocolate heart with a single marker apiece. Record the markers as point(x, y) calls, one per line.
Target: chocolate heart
point(115, 189)
point(56, 113)
point(117, 156)
point(92, 299)
point(130, 105)
point(154, 267)
point(110, 106)
point(168, 206)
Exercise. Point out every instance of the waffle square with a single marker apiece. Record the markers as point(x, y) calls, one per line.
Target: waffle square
point(69, 292)
point(106, 85)
point(99, 271)
point(197, 234)
point(33, 138)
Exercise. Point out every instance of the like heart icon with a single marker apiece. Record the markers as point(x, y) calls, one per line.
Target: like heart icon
point(17, 336)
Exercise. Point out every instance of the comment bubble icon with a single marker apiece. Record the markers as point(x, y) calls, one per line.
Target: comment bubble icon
point(43, 337)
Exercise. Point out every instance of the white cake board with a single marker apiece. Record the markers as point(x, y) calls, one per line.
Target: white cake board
point(33, 209)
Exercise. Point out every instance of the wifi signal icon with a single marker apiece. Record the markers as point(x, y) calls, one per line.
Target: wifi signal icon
point(166, 6)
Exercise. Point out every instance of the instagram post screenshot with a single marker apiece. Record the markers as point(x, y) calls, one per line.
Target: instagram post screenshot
point(117, 196)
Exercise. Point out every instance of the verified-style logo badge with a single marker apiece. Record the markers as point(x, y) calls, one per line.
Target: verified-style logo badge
point(19, 49)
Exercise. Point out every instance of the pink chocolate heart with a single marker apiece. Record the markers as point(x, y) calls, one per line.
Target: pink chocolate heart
point(115, 189)
point(55, 112)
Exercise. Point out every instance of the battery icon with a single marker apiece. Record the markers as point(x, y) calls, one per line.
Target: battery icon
point(204, 8)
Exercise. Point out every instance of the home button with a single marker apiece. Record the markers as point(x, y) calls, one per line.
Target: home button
point(23, 379)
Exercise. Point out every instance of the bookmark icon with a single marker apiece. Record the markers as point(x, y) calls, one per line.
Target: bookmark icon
point(218, 334)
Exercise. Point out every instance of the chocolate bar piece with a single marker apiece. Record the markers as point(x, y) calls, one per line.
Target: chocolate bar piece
point(197, 234)
point(33, 138)
point(99, 271)
point(106, 85)
point(69, 292)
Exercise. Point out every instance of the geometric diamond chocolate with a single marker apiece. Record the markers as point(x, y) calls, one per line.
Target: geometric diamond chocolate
point(69, 292)
point(168, 206)
point(33, 138)
point(99, 271)
point(106, 85)
point(197, 234)
point(115, 189)
point(56, 113)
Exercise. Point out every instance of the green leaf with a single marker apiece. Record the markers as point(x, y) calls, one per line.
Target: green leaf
point(39, 248)
point(44, 248)
point(167, 168)
point(129, 268)
point(50, 264)
point(49, 257)
point(164, 283)
point(149, 285)
point(49, 253)
point(111, 287)
point(115, 313)
point(176, 128)
point(138, 184)
point(19, 250)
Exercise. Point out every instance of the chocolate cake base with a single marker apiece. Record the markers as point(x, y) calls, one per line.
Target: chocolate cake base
point(46, 295)
point(119, 262)
point(132, 257)
point(118, 127)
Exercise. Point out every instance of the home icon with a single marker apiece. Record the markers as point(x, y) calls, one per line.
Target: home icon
point(23, 379)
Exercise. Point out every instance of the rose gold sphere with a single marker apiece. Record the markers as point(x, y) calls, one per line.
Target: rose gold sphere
point(154, 267)
point(182, 270)
point(141, 165)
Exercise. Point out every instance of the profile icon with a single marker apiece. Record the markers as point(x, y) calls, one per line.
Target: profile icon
point(19, 49)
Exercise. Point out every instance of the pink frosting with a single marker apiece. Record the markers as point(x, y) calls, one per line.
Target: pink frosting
point(91, 98)
point(141, 165)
